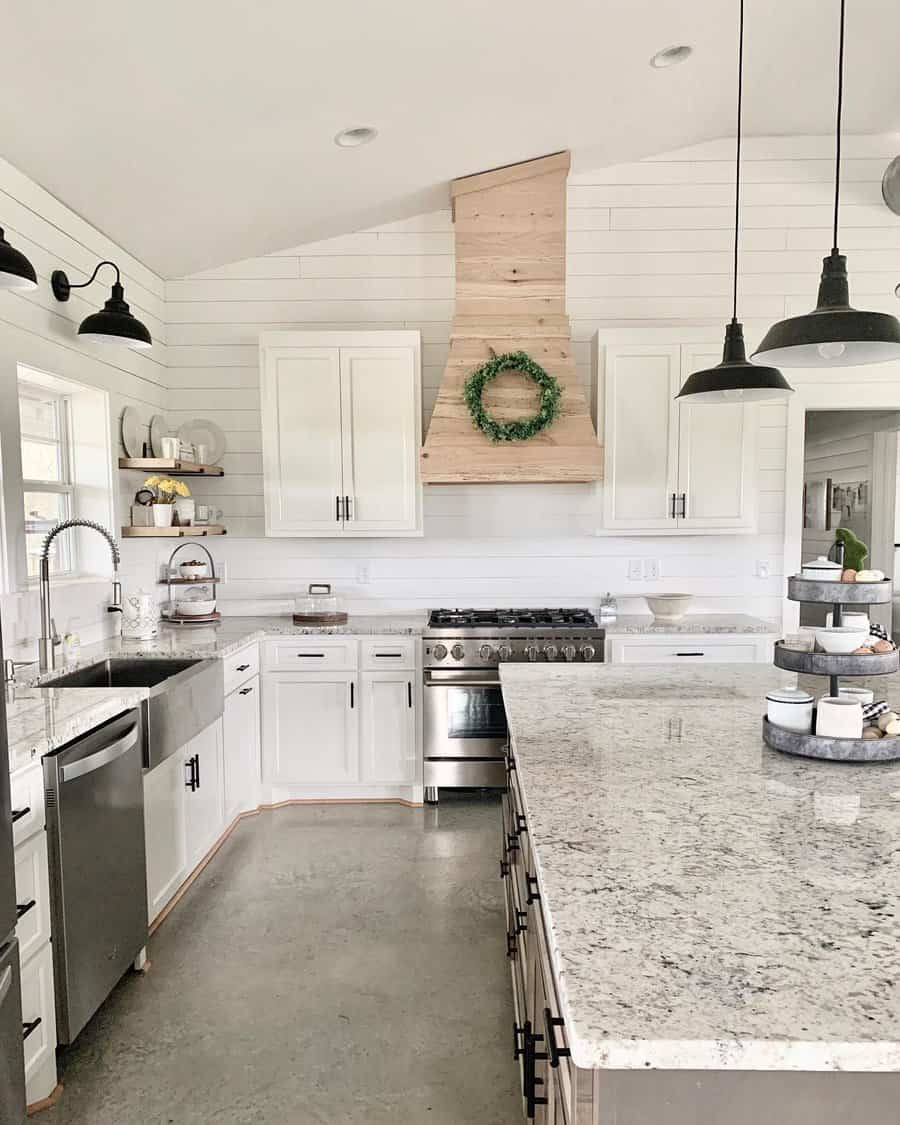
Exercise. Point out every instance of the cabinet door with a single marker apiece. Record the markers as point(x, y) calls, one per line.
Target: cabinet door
point(241, 749)
point(380, 408)
point(310, 725)
point(204, 812)
point(716, 455)
point(640, 433)
point(164, 794)
point(388, 720)
point(301, 431)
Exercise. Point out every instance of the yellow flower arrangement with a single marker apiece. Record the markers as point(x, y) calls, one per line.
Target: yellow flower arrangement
point(166, 488)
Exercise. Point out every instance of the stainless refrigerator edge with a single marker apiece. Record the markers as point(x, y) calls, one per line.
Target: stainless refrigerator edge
point(12, 1061)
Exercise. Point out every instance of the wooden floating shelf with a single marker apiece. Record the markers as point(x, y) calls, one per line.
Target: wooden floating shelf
point(171, 465)
point(189, 581)
point(194, 531)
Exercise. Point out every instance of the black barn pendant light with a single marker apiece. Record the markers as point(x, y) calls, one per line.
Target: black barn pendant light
point(834, 334)
point(114, 324)
point(16, 272)
point(736, 379)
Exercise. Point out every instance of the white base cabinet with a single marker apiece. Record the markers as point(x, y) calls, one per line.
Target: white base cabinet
point(388, 727)
point(690, 649)
point(241, 749)
point(204, 810)
point(311, 728)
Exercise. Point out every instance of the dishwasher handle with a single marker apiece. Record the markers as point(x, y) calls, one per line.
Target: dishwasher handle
point(101, 758)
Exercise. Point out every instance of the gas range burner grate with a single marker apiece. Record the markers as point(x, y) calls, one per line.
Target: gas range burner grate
point(512, 618)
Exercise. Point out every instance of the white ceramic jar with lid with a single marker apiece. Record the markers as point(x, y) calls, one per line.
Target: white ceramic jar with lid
point(791, 708)
point(822, 569)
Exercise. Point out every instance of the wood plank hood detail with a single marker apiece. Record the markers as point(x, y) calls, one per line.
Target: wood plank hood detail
point(511, 296)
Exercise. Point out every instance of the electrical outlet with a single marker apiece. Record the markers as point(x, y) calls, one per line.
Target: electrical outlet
point(763, 568)
point(651, 570)
point(635, 570)
point(363, 574)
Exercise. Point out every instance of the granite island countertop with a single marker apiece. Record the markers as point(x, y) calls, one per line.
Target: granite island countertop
point(721, 623)
point(712, 904)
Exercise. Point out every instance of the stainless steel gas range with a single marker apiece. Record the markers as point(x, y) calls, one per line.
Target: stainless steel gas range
point(465, 723)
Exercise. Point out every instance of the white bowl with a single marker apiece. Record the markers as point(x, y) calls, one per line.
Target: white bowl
point(841, 640)
point(195, 608)
point(668, 607)
point(189, 570)
point(850, 620)
point(790, 708)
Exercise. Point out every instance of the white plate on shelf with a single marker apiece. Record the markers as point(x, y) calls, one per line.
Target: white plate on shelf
point(159, 428)
point(133, 432)
point(200, 431)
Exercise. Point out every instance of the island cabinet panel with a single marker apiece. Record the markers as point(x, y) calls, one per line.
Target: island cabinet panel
point(241, 749)
point(310, 728)
point(690, 649)
point(672, 466)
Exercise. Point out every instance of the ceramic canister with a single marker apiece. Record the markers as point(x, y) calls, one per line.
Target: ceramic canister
point(839, 717)
point(140, 616)
point(790, 708)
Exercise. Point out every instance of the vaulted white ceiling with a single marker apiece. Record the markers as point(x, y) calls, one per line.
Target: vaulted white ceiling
point(197, 132)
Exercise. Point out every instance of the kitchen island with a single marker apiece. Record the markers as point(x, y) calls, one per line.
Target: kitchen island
point(719, 922)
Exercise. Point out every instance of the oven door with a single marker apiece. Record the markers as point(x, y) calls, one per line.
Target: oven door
point(464, 714)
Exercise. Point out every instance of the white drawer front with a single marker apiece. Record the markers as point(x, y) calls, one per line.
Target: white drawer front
point(383, 653)
point(687, 653)
point(32, 896)
point(312, 654)
point(27, 802)
point(241, 666)
point(38, 1005)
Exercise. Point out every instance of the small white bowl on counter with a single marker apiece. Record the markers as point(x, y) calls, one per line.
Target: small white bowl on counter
point(668, 607)
point(841, 640)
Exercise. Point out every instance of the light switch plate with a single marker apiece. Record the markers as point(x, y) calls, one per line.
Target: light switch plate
point(651, 570)
point(635, 570)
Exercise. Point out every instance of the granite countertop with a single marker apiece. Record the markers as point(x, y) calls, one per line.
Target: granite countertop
point(712, 904)
point(692, 623)
point(39, 720)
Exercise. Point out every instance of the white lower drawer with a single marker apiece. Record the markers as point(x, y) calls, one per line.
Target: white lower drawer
point(686, 651)
point(38, 1012)
point(27, 792)
point(32, 896)
point(311, 654)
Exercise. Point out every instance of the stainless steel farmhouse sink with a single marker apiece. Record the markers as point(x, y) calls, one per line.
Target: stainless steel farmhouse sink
point(185, 696)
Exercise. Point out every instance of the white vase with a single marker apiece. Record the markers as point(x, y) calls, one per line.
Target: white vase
point(185, 507)
point(140, 616)
point(162, 515)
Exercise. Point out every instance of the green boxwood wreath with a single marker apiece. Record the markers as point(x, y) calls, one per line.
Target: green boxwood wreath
point(519, 429)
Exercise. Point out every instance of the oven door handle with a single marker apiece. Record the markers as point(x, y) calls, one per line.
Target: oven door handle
point(461, 683)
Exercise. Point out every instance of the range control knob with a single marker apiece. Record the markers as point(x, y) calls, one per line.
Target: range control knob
point(588, 652)
point(486, 652)
point(531, 652)
point(439, 651)
point(457, 652)
point(504, 652)
point(551, 652)
point(569, 652)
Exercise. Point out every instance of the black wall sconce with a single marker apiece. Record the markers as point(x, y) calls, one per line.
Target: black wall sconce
point(16, 272)
point(114, 324)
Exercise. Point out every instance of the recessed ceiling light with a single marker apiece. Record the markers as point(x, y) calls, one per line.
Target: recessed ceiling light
point(353, 138)
point(671, 56)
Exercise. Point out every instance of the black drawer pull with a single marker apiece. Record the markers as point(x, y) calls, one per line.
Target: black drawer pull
point(22, 908)
point(17, 814)
point(690, 654)
point(245, 691)
point(533, 893)
point(512, 947)
point(521, 922)
point(518, 1041)
point(530, 1079)
point(504, 868)
point(389, 655)
point(521, 825)
point(551, 1022)
point(409, 693)
point(512, 842)
point(27, 1028)
point(242, 667)
point(352, 695)
point(319, 654)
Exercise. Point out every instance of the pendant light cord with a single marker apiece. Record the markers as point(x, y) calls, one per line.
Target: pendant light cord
point(737, 175)
point(837, 147)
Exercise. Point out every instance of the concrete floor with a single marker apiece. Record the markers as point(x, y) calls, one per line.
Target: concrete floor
point(333, 964)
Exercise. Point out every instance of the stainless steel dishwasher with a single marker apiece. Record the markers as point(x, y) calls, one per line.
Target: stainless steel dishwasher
point(98, 893)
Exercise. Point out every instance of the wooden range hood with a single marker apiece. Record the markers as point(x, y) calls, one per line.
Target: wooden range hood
point(511, 296)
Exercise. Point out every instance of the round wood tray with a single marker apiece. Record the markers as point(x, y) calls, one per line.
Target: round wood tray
point(830, 749)
point(320, 618)
point(832, 664)
point(840, 593)
point(192, 618)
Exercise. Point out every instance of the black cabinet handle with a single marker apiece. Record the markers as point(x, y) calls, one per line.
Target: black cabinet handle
point(504, 868)
point(318, 654)
point(521, 922)
point(388, 655)
point(27, 1028)
point(531, 1081)
point(521, 824)
point(409, 693)
point(510, 762)
point(512, 842)
point(556, 1052)
point(518, 1041)
point(22, 908)
point(673, 508)
point(684, 505)
point(242, 667)
point(533, 893)
point(193, 780)
point(512, 947)
point(352, 695)
point(347, 515)
point(17, 814)
point(337, 508)
point(197, 769)
point(690, 654)
point(245, 691)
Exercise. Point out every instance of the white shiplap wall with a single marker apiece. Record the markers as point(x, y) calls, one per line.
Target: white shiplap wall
point(40, 332)
point(648, 244)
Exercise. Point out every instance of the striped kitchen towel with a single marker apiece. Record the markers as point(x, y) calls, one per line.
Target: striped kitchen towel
point(871, 711)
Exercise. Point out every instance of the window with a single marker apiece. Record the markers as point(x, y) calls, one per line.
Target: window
point(47, 480)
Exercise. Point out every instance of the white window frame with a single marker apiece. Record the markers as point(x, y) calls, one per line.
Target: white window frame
point(65, 545)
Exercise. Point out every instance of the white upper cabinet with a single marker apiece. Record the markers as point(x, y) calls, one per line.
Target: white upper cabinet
point(672, 466)
point(341, 419)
